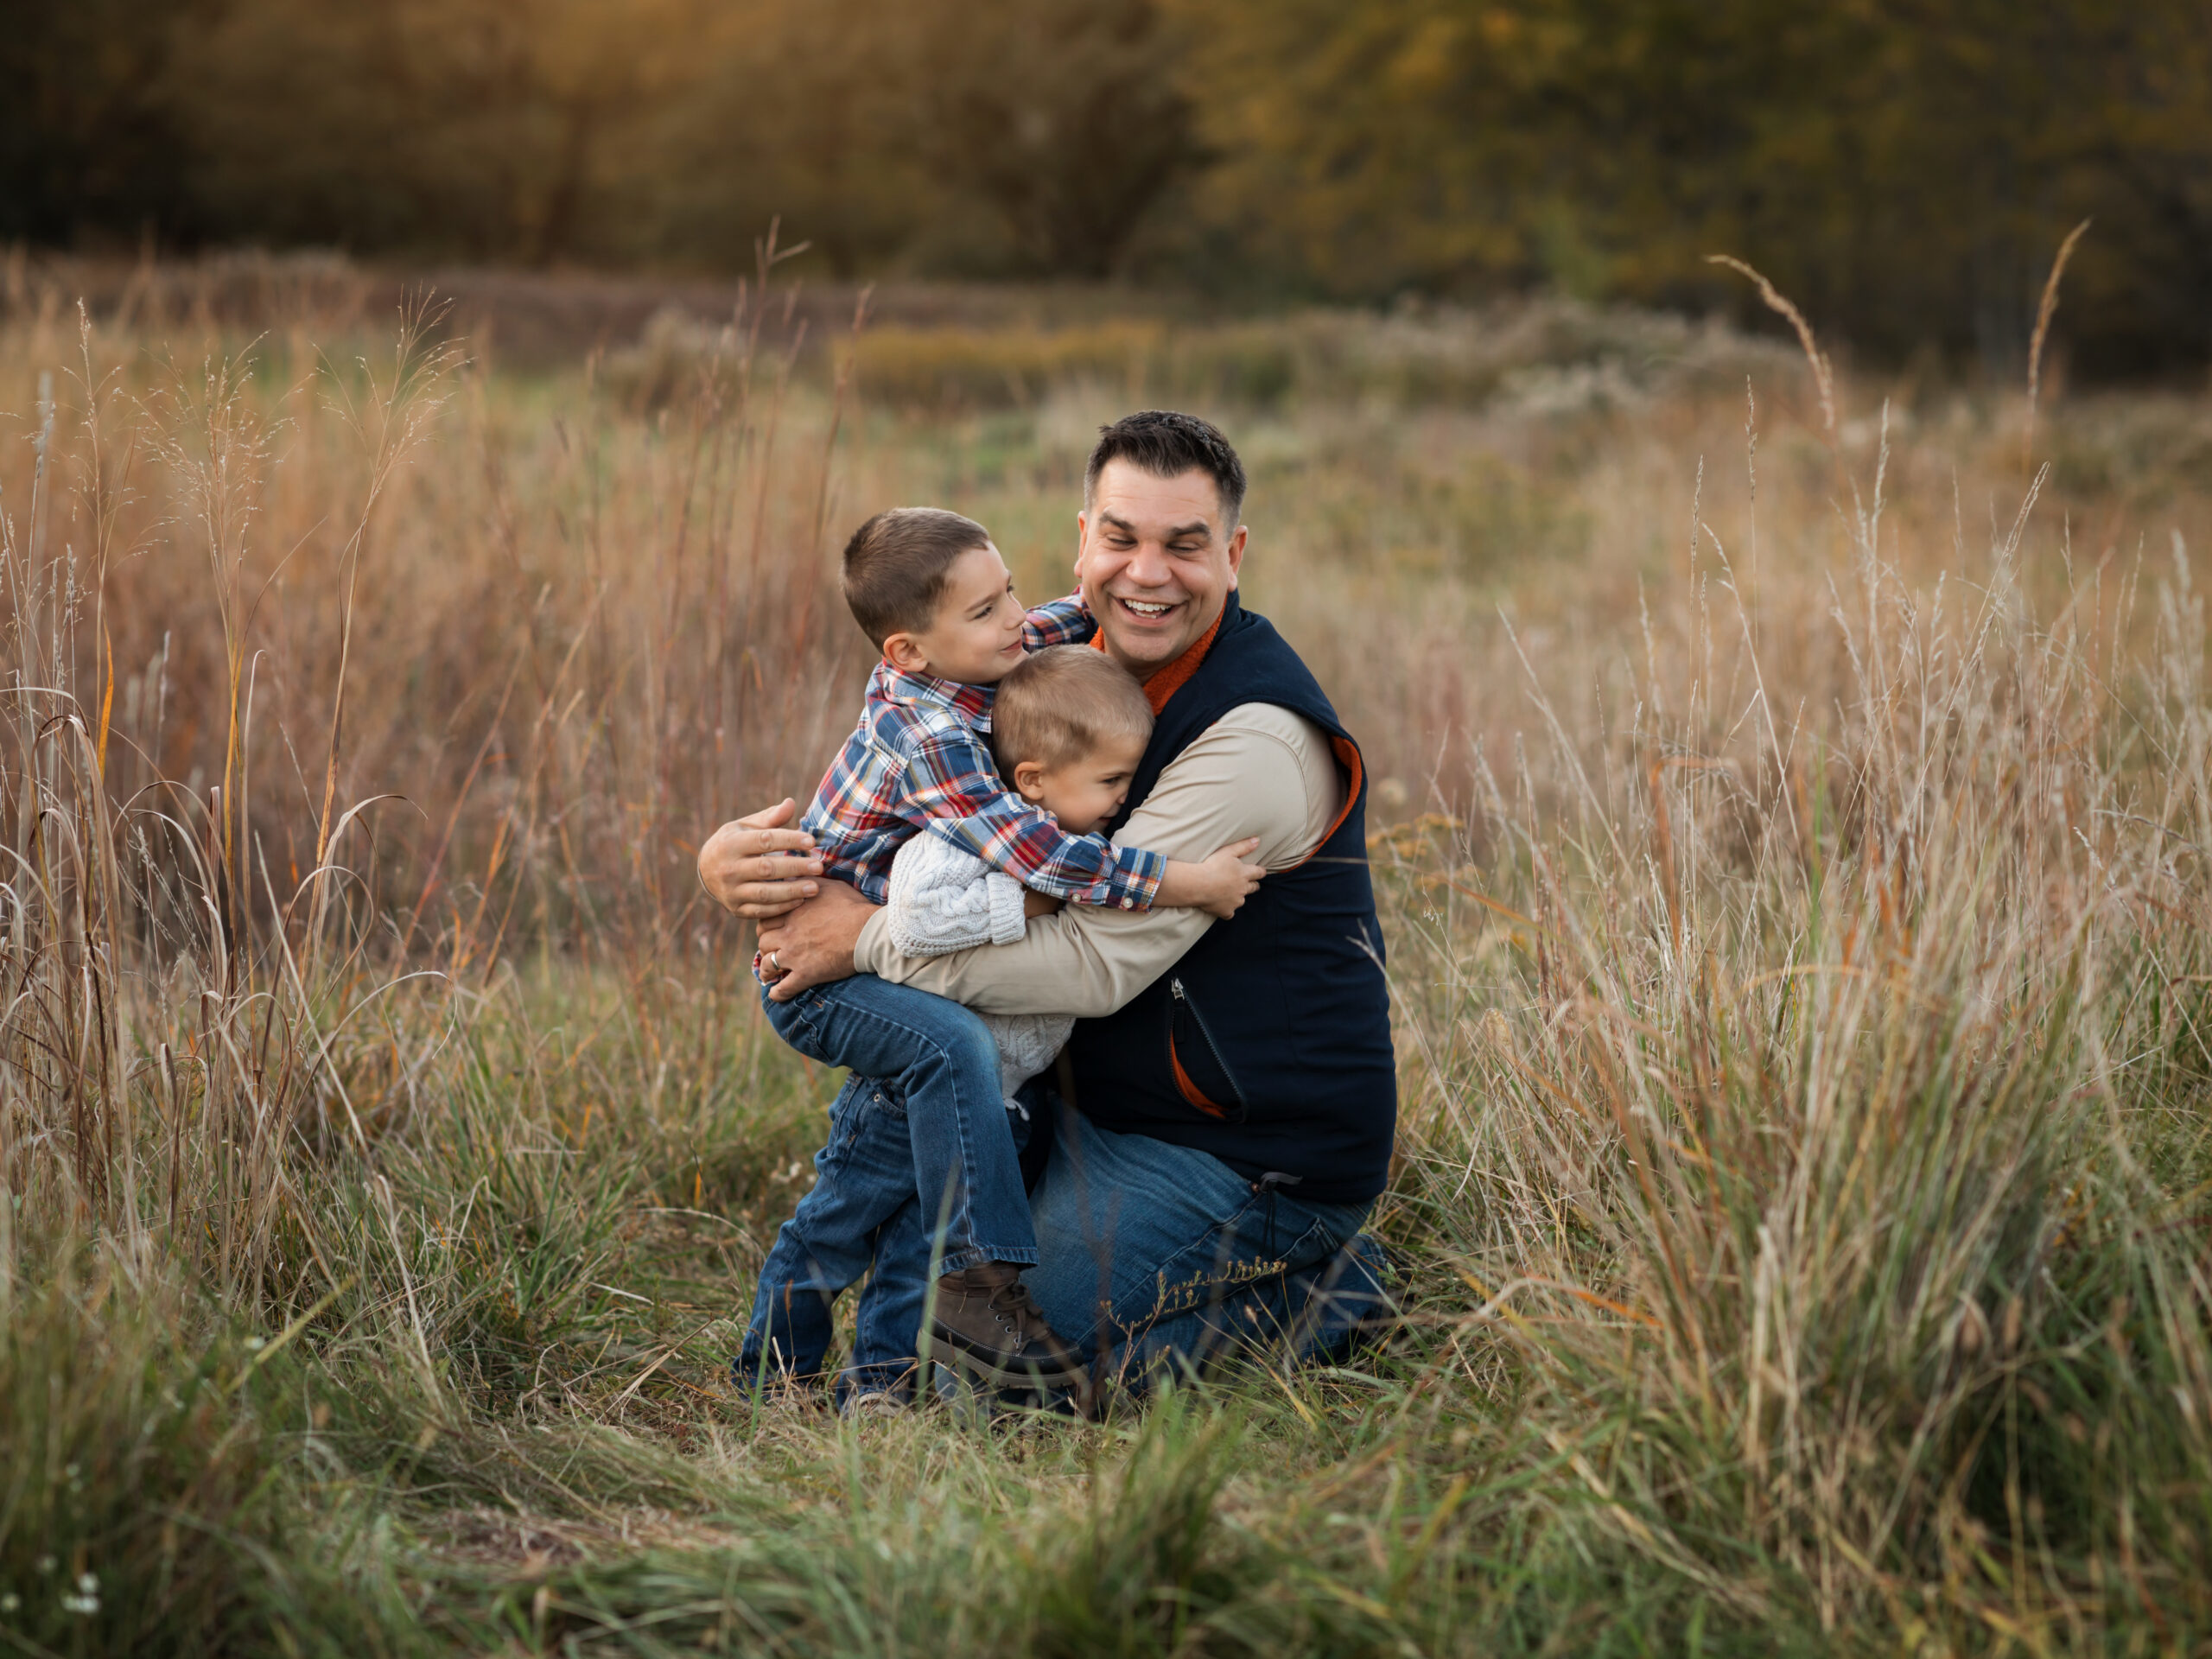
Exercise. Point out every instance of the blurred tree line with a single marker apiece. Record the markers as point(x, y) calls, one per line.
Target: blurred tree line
point(1905, 169)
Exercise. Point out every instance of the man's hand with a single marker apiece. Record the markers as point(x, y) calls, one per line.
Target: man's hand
point(815, 944)
point(757, 869)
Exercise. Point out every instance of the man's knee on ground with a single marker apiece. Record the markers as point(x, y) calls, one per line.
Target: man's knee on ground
point(1325, 1312)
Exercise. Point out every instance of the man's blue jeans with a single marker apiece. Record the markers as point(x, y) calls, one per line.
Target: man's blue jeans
point(1160, 1257)
point(1163, 1259)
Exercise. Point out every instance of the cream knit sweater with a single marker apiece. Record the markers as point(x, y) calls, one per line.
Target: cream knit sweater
point(945, 899)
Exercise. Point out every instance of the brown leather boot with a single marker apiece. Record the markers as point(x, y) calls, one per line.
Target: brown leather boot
point(991, 1328)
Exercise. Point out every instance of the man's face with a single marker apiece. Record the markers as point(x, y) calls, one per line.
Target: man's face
point(1158, 560)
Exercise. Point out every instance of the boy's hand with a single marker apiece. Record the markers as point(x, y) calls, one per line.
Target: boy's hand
point(757, 869)
point(1035, 904)
point(1217, 886)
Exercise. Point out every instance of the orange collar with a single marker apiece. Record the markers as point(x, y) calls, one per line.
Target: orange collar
point(1170, 679)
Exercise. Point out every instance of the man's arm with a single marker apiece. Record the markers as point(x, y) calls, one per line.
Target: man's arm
point(1258, 770)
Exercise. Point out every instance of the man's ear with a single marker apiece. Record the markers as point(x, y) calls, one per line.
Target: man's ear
point(904, 653)
point(1081, 541)
point(1237, 554)
point(1028, 779)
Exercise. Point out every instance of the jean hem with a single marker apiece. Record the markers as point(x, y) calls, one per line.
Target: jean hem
point(982, 1256)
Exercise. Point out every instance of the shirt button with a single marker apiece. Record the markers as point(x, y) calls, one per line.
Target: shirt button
point(1129, 904)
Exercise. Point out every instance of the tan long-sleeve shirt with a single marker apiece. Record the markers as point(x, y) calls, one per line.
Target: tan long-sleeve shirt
point(1260, 769)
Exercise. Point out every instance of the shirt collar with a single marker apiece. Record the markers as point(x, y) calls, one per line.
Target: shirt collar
point(971, 702)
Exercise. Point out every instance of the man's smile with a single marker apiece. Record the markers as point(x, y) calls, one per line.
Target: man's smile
point(1149, 609)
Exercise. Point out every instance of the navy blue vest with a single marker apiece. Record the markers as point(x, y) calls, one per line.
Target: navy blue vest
point(1268, 1044)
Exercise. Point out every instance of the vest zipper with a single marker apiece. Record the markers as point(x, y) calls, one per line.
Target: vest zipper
point(1175, 990)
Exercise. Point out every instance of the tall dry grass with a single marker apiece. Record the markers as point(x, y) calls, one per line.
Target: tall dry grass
point(1826, 1097)
point(1791, 834)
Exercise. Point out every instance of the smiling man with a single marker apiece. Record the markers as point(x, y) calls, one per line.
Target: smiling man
point(1233, 1081)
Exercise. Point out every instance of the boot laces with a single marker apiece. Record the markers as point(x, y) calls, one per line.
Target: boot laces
point(1010, 1303)
point(1018, 1312)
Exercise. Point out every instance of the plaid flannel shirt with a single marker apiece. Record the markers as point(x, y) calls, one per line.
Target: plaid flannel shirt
point(920, 759)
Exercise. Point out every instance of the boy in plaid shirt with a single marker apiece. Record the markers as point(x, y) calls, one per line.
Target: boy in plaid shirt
point(933, 595)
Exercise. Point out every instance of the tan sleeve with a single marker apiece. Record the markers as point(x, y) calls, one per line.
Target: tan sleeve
point(1257, 770)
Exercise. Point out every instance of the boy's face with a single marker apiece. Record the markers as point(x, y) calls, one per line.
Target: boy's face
point(1158, 560)
point(975, 635)
point(1083, 793)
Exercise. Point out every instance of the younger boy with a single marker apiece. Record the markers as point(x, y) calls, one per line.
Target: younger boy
point(1071, 726)
point(934, 596)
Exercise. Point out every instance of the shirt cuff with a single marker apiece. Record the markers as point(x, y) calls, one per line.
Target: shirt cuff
point(1131, 884)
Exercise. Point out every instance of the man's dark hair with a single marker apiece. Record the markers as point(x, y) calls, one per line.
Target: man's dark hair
point(895, 567)
point(1167, 443)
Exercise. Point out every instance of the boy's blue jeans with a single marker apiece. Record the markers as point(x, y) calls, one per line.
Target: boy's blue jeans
point(921, 1117)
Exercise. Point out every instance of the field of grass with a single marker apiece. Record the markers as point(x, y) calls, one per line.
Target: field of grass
point(1793, 831)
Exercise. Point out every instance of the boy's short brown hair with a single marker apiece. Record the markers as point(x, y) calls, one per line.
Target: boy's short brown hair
point(895, 565)
point(1059, 703)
